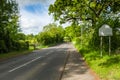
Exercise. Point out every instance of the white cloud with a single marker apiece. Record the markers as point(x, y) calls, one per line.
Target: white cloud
point(28, 2)
point(66, 24)
point(34, 22)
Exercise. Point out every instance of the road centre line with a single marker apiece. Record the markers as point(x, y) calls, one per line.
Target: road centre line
point(24, 64)
point(28, 62)
point(49, 52)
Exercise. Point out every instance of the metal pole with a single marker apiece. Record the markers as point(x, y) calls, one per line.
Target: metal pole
point(101, 46)
point(109, 45)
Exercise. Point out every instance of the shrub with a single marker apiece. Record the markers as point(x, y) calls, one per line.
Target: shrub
point(2, 46)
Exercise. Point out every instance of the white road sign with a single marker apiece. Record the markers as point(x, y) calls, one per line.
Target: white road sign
point(105, 30)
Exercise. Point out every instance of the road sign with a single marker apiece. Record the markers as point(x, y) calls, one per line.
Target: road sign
point(105, 30)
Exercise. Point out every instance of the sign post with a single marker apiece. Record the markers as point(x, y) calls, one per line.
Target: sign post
point(109, 45)
point(101, 46)
point(105, 30)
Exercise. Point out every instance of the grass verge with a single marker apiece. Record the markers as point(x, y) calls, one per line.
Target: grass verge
point(38, 47)
point(106, 67)
point(5, 56)
point(9, 55)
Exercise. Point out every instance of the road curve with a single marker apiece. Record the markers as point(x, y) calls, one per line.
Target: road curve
point(45, 64)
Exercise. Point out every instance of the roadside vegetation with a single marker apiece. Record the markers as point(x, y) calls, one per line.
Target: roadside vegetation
point(86, 17)
point(13, 54)
point(13, 42)
point(11, 38)
point(51, 34)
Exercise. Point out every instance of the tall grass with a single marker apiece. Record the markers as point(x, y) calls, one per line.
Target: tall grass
point(107, 67)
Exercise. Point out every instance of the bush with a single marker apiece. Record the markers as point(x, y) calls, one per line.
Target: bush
point(115, 39)
point(21, 45)
point(3, 47)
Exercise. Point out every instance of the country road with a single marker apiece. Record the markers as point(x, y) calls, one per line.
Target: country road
point(45, 64)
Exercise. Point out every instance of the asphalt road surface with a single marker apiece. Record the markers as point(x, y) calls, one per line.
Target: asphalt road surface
point(45, 64)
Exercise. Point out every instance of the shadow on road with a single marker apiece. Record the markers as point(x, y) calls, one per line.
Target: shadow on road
point(76, 68)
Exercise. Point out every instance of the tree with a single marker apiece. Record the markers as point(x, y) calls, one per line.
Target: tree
point(9, 23)
point(81, 10)
point(95, 13)
point(51, 34)
point(72, 31)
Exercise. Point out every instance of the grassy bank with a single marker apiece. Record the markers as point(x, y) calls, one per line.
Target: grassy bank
point(38, 47)
point(5, 56)
point(106, 67)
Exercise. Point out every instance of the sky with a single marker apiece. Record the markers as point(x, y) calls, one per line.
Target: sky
point(34, 15)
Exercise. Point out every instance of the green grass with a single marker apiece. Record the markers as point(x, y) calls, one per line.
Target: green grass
point(38, 47)
point(12, 54)
point(42, 46)
point(5, 56)
point(106, 67)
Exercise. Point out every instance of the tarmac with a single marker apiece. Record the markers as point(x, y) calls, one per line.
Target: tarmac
point(76, 68)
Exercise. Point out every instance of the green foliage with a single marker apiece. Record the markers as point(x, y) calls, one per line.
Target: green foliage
point(51, 34)
point(14, 54)
point(72, 31)
point(80, 10)
point(106, 67)
point(66, 39)
point(9, 26)
point(32, 41)
point(21, 45)
point(93, 14)
point(2, 46)
point(115, 39)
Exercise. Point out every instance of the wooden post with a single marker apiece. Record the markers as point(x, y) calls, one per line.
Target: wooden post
point(101, 46)
point(109, 45)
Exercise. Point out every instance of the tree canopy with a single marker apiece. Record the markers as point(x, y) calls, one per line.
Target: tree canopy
point(9, 26)
point(51, 34)
point(80, 10)
point(93, 13)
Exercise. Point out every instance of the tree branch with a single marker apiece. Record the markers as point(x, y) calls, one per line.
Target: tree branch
point(92, 9)
point(73, 18)
point(100, 10)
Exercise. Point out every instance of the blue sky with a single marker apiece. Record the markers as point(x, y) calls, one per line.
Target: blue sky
point(34, 15)
point(32, 8)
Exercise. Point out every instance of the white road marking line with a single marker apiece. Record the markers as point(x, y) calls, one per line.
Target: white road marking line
point(49, 52)
point(28, 62)
point(24, 64)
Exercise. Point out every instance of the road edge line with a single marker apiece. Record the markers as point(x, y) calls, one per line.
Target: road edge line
point(64, 65)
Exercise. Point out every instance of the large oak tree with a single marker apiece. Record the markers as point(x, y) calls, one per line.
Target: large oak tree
point(80, 10)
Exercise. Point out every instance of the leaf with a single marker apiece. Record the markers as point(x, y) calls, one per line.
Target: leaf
point(92, 4)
